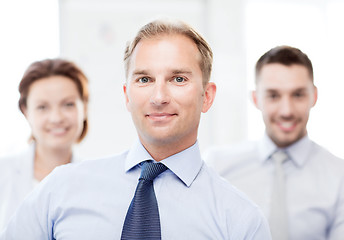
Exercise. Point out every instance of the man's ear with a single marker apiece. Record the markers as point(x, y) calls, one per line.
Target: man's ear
point(125, 91)
point(209, 96)
point(255, 98)
point(315, 96)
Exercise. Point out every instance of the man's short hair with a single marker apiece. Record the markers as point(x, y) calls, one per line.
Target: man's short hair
point(284, 55)
point(162, 27)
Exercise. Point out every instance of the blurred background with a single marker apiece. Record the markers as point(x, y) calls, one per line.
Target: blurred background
point(93, 34)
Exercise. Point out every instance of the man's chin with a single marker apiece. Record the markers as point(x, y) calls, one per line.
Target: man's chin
point(285, 141)
point(160, 139)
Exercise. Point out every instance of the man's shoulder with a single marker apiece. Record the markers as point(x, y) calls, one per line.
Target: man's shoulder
point(224, 189)
point(323, 151)
point(229, 200)
point(103, 164)
point(326, 159)
point(235, 149)
point(225, 156)
point(85, 172)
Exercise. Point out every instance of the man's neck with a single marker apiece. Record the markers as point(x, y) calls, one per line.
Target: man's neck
point(163, 151)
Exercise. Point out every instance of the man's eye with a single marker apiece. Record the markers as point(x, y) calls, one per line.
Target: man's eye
point(299, 95)
point(144, 80)
point(179, 79)
point(273, 96)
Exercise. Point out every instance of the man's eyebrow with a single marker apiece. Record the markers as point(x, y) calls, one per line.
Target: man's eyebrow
point(177, 71)
point(140, 72)
point(271, 90)
point(300, 89)
point(181, 71)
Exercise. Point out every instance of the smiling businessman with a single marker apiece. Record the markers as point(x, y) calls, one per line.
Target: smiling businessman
point(298, 184)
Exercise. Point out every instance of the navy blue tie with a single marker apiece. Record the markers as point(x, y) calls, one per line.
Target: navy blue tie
point(142, 220)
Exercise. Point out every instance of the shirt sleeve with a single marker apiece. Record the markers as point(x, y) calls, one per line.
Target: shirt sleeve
point(252, 225)
point(336, 231)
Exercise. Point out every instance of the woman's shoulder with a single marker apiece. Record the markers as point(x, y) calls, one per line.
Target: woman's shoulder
point(20, 159)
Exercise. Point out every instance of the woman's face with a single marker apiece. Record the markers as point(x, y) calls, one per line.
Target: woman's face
point(55, 112)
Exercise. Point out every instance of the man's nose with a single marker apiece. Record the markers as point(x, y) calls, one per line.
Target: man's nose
point(286, 107)
point(160, 94)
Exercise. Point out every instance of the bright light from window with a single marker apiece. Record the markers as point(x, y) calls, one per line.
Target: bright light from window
point(317, 31)
point(30, 32)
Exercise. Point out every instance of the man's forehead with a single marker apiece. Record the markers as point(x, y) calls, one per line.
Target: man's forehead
point(275, 71)
point(288, 89)
point(137, 65)
point(172, 70)
point(292, 89)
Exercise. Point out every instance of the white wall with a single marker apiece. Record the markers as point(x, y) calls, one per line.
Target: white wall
point(316, 27)
point(93, 33)
point(28, 32)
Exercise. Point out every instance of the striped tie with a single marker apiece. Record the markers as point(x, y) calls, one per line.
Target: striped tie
point(142, 220)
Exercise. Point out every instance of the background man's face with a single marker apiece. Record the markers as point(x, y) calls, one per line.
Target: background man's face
point(285, 96)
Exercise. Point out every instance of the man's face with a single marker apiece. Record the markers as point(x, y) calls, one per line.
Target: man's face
point(285, 96)
point(164, 91)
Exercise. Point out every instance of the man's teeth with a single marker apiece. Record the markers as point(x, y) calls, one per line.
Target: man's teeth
point(286, 124)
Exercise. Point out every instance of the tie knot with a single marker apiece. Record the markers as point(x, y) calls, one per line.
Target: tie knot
point(151, 170)
point(279, 156)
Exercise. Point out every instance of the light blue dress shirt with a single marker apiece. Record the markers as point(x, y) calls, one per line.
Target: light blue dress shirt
point(314, 183)
point(90, 201)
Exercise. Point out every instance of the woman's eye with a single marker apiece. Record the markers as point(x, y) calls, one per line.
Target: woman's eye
point(70, 104)
point(41, 107)
point(144, 80)
point(179, 79)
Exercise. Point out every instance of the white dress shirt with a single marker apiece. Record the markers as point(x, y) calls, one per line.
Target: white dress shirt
point(314, 183)
point(90, 201)
point(16, 181)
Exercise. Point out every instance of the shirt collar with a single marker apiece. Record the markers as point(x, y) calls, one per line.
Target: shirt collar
point(266, 147)
point(136, 155)
point(185, 165)
point(298, 151)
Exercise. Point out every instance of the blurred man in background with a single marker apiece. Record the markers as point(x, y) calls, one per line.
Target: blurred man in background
point(298, 184)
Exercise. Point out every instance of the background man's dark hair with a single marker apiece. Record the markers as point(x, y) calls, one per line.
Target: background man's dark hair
point(285, 55)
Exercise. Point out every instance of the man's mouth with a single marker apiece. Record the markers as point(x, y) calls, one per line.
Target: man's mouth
point(160, 116)
point(287, 126)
